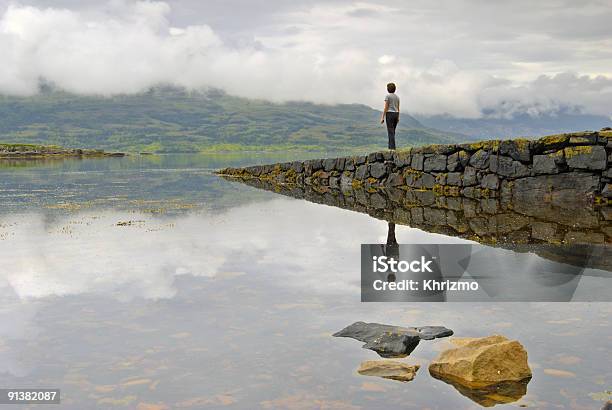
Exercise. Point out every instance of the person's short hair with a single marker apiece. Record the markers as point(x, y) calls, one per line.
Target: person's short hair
point(391, 87)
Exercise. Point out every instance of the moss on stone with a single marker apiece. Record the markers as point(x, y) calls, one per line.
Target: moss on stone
point(291, 175)
point(577, 150)
point(450, 190)
point(521, 143)
point(435, 149)
point(414, 172)
point(489, 145)
point(554, 140)
point(404, 151)
point(485, 192)
point(556, 154)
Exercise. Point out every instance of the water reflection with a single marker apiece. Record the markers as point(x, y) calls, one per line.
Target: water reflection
point(158, 184)
point(489, 221)
point(489, 396)
point(539, 272)
point(231, 303)
point(116, 318)
point(391, 248)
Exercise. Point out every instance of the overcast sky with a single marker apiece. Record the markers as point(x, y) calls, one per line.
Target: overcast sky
point(461, 57)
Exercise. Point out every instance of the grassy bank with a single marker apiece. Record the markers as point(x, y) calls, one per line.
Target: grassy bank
point(20, 150)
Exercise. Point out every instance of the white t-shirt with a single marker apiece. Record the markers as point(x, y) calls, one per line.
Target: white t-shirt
point(393, 102)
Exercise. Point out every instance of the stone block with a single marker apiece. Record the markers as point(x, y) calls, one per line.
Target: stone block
point(395, 179)
point(334, 182)
point(377, 201)
point(378, 170)
point(436, 162)
point(428, 181)
point(297, 166)
point(416, 215)
point(490, 181)
point(584, 237)
point(469, 176)
point(329, 164)
point(434, 216)
point(518, 149)
point(454, 179)
point(583, 138)
point(402, 159)
point(544, 231)
point(375, 157)
point(545, 164)
point(317, 164)
point(480, 159)
point(417, 162)
point(360, 160)
point(362, 172)
point(510, 168)
point(346, 181)
point(340, 164)
point(457, 161)
point(591, 157)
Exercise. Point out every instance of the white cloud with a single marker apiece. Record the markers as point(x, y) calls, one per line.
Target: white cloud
point(448, 58)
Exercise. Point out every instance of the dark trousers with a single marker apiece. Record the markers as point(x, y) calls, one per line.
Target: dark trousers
point(392, 118)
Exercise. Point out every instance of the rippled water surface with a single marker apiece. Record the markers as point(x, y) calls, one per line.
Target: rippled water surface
point(150, 283)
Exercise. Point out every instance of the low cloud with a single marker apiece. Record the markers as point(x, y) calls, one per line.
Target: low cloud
point(324, 53)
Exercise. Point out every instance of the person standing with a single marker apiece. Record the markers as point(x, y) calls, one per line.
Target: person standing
point(391, 113)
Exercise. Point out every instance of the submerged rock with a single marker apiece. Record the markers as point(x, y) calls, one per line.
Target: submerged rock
point(391, 341)
point(388, 369)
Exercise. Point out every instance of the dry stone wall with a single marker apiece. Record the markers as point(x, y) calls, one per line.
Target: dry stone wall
point(554, 169)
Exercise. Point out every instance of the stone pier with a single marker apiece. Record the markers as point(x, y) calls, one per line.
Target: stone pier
point(556, 169)
point(555, 190)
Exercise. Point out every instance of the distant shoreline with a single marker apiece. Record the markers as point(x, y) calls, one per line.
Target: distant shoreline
point(35, 151)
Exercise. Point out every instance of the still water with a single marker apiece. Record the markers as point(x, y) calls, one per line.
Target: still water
point(150, 283)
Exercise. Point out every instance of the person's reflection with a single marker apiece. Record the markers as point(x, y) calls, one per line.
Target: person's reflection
point(391, 248)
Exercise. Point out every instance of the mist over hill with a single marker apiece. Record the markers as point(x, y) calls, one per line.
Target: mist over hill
point(167, 119)
point(518, 125)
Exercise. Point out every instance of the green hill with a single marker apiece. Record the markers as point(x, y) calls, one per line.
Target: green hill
point(172, 120)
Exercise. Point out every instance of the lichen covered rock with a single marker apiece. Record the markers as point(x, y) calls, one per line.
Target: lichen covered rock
point(477, 362)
